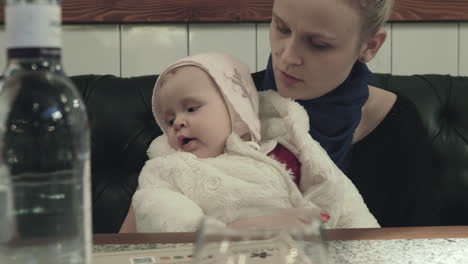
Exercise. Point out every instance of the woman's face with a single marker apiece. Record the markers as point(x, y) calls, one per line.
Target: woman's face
point(314, 44)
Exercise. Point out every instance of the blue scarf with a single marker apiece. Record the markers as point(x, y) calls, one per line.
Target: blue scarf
point(333, 117)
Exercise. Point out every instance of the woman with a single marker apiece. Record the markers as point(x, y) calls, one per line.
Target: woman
point(319, 50)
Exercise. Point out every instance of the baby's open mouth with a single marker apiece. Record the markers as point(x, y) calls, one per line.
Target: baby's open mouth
point(186, 140)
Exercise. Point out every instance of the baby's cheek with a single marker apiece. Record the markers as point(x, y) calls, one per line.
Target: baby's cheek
point(172, 142)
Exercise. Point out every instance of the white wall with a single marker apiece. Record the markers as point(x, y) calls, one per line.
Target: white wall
point(132, 49)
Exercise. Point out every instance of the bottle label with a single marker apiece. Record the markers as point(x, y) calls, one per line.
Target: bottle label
point(33, 25)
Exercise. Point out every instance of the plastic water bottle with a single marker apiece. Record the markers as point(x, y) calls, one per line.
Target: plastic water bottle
point(45, 214)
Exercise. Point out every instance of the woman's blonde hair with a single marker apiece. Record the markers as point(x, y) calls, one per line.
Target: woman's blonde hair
point(374, 14)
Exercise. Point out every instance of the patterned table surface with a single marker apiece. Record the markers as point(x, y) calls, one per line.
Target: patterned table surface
point(410, 251)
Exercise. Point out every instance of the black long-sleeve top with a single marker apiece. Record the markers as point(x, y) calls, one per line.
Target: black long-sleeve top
point(391, 169)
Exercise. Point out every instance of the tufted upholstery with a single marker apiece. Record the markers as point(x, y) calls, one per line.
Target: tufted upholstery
point(122, 128)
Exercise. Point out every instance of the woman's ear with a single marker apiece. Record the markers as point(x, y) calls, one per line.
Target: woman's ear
point(372, 45)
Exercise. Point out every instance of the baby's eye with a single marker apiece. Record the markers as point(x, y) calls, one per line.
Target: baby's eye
point(170, 122)
point(282, 30)
point(319, 46)
point(193, 108)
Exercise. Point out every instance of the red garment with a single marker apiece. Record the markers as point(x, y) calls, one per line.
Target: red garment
point(283, 155)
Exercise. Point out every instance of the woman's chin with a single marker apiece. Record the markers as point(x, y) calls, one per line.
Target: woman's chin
point(289, 92)
point(299, 92)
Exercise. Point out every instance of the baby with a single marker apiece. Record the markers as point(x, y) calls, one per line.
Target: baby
point(216, 153)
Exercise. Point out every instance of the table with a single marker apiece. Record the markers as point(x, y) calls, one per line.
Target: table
point(347, 246)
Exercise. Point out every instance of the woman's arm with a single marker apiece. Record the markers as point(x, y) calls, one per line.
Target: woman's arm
point(129, 224)
point(392, 169)
point(354, 213)
point(374, 111)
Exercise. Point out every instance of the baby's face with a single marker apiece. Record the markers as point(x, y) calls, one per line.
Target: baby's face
point(195, 116)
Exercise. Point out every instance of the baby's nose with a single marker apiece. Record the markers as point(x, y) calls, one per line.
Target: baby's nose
point(180, 123)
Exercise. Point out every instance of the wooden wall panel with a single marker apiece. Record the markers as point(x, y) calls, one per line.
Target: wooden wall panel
point(179, 11)
point(430, 10)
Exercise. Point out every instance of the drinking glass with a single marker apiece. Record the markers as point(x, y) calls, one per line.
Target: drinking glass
point(258, 236)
